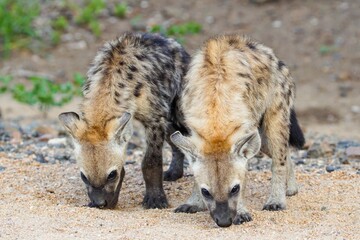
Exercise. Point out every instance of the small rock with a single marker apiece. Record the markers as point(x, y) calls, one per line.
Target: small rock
point(347, 144)
point(330, 168)
point(355, 109)
point(209, 19)
point(343, 76)
point(344, 89)
point(353, 152)
point(314, 21)
point(299, 162)
point(46, 130)
point(314, 151)
point(80, 45)
point(302, 153)
point(343, 6)
point(57, 142)
point(341, 156)
point(326, 149)
point(2, 168)
point(40, 158)
point(358, 171)
point(62, 156)
point(323, 208)
point(144, 4)
point(130, 162)
point(277, 24)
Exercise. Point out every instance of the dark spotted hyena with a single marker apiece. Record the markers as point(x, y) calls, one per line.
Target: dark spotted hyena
point(136, 76)
point(238, 98)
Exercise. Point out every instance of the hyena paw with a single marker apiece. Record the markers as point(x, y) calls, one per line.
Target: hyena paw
point(172, 174)
point(292, 190)
point(274, 206)
point(155, 201)
point(242, 217)
point(187, 208)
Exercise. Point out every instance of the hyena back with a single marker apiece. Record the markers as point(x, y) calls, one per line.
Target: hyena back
point(238, 98)
point(135, 76)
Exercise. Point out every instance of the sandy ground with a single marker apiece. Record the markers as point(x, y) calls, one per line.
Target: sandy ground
point(46, 202)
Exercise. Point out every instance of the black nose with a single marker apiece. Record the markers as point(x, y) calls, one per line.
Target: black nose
point(223, 222)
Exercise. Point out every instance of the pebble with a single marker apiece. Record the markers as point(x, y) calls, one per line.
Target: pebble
point(57, 142)
point(46, 130)
point(299, 162)
point(80, 45)
point(355, 109)
point(40, 158)
point(144, 4)
point(314, 151)
point(209, 19)
point(353, 152)
point(2, 168)
point(276, 24)
point(347, 144)
point(331, 168)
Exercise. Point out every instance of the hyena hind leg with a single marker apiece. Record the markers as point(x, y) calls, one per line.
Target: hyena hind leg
point(278, 144)
point(193, 204)
point(176, 168)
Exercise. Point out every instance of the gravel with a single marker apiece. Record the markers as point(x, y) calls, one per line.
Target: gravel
point(46, 143)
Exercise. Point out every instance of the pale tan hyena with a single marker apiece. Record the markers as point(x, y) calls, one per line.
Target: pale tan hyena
point(238, 98)
point(135, 76)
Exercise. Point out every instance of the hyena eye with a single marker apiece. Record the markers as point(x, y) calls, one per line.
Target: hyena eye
point(85, 180)
point(206, 193)
point(112, 175)
point(235, 190)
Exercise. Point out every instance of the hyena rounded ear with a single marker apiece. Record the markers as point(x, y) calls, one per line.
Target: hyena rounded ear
point(71, 122)
point(183, 143)
point(248, 146)
point(120, 127)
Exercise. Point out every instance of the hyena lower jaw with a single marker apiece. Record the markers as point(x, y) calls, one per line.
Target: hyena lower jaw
point(136, 76)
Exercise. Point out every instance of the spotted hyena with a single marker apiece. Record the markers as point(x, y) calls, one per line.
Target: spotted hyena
point(238, 97)
point(136, 76)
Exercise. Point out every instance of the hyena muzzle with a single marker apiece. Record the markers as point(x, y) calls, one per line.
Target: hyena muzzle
point(136, 76)
point(238, 98)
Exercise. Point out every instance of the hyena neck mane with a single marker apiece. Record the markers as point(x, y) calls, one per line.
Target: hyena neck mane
point(106, 91)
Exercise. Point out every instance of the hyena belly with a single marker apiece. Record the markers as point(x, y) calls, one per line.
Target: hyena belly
point(238, 98)
point(136, 76)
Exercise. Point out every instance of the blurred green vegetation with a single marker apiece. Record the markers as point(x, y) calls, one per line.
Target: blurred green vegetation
point(18, 30)
point(43, 92)
point(121, 10)
point(16, 19)
point(88, 15)
point(178, 31)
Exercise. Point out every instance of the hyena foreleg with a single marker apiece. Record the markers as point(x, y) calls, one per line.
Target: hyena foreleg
point(194, 203)
point(152, 168)
point(242, 214)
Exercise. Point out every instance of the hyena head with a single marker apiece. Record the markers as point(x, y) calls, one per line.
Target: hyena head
point(100, 152)
point(220, 175)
